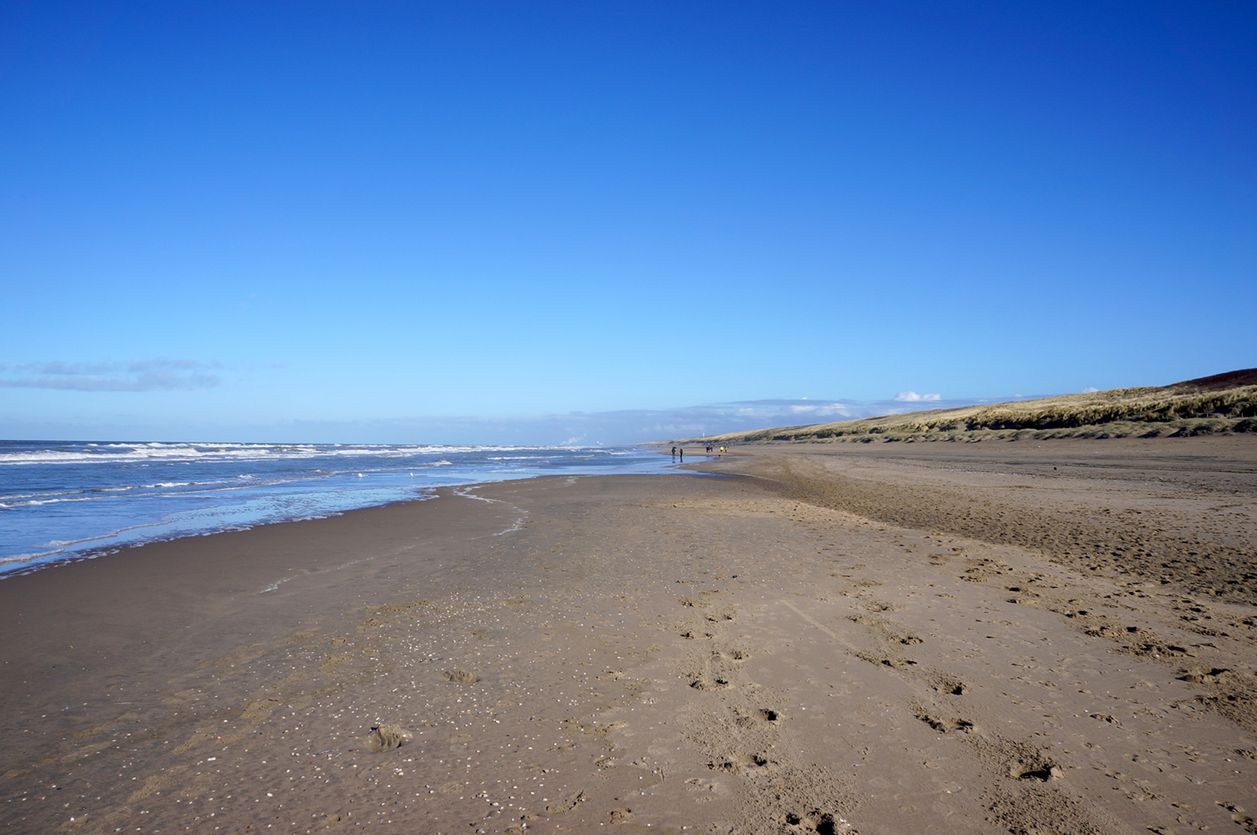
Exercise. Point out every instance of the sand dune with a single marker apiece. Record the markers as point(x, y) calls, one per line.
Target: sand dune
point(1219, 404)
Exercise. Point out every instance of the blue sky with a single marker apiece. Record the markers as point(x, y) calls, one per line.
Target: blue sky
point(470, 221)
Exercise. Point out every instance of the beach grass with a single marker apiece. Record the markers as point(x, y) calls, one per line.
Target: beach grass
point(1221, 404)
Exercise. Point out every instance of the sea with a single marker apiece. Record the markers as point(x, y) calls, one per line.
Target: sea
point(69, 500)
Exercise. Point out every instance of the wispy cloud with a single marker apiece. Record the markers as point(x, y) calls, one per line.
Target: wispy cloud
point(598, 428)
point(141, 375)
point(913, 397)
point(574, 428)
point(821, 410)
point(1090, 390)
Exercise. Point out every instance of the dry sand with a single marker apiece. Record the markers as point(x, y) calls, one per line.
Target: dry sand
point(874, 638)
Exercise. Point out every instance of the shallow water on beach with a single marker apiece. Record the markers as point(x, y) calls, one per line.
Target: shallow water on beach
point(63, 500)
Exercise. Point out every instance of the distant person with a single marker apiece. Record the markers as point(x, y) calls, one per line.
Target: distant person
point(674, 452)
point(682, 451)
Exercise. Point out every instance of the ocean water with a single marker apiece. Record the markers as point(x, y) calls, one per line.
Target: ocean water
point(63, 500)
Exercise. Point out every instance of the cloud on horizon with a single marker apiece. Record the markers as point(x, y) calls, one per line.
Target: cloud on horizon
point(612, 428)
point(142, 375)
point(628, 426)
point(913, 397)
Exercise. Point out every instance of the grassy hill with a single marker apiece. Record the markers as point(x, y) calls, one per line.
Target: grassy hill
point(1222, 403)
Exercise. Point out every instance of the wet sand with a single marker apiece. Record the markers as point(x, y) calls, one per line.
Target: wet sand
point(874, 638)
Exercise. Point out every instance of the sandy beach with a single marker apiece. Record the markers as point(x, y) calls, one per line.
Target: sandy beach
point(877, 638)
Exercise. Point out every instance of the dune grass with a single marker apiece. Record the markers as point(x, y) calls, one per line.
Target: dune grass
point(1199, 407)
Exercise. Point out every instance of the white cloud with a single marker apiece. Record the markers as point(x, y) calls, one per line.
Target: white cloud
point(820, 410)
point(1090, 390)
point(143, 375)
point(913, 397)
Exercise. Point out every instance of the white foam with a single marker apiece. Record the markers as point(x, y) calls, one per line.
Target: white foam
point(39, 502)
point(517, 525)
point(466, 493)
point(62, 544)
point(164, 451)
point(275, 585)
point(92, 494)
point(29, 557)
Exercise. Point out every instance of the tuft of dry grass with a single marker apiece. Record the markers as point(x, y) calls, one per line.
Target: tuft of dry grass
point(1196, 407)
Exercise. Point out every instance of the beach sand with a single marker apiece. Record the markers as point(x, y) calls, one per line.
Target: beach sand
point(997, 637)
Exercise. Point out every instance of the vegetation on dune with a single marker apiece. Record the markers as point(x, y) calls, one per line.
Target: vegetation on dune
point(1223, 403)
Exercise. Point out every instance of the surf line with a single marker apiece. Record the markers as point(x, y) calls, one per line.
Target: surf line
point(520, 513)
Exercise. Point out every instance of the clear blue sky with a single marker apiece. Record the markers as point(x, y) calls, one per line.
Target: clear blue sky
point(238, 220)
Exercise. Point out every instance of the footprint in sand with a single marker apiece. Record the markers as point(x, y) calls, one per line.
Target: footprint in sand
point(884, 661)
point(757, 718)
point(730, 655)
point(620, 815)
point(948, 685)
point(945, 725)
point(706, 789)
point(1239, 816)
point(1199, 675)
point(749, 765)
point(822, 823)
point(567, 804)
point(387, 738)
point(709, 683)
point(1038, 769)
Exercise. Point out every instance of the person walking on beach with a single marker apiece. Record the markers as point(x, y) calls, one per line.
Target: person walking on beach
point(674, 453)
point(682, 451)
